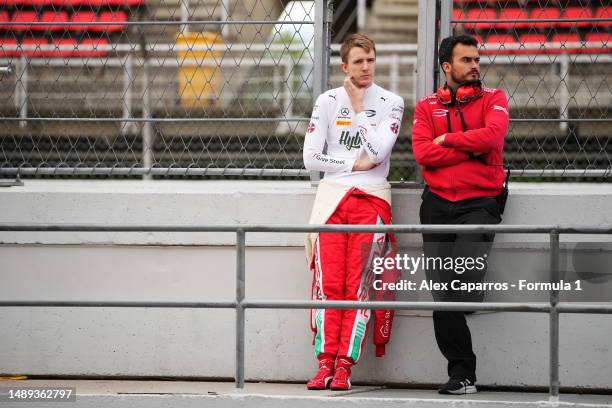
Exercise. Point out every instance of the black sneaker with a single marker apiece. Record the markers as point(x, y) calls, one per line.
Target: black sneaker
point(458, 386)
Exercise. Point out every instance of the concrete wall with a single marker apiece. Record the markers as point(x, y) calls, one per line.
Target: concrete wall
point(512, 348)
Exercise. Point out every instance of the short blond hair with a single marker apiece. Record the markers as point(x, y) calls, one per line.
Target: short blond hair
point(356, 40)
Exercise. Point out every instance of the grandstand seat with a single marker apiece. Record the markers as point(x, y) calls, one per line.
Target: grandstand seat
point(603, 12)
point(512, 14)
point(64, 47)
point(23, 17)
point(566, 42)
point(598, 43)
point(84, 17)
point(35, 46)
point(458, 14)
point(4, 18)
point(50, 16)
point(574, 13)
point(532, 43)
point(36, 3)
point(111, 17)
point(481, 14)
point(92, 47)
point(8, 48)
point(125, 3)
point(544, 13)
point(498, 44)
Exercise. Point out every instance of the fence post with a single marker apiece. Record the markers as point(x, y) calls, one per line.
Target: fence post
point(240, 288)
point(128, 75)
point(564, 98)
point(446, 13)
point(361, 14)
point(554, 318)
point(147, 132)
point(185, 16)
point(426, 64)
point(322, 23)
point(21, 92)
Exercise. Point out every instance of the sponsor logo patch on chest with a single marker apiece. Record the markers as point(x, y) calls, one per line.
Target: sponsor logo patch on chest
point(344, 122)
point(350, 142)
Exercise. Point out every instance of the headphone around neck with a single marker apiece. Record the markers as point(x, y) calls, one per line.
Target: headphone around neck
point(463, 94)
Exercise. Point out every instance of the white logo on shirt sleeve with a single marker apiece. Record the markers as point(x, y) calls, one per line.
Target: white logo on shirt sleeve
point(501, 108)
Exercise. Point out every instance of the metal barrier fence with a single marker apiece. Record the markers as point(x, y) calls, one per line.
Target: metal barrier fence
point(553, 308)
point(223, 88)
point(553, 61)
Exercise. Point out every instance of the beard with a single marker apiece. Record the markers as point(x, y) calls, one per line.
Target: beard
point(464, 79)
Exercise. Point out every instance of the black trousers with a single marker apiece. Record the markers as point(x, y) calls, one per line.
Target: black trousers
point(451, 329)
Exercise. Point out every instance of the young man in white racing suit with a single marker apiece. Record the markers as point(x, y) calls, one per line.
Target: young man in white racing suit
point(359, 122)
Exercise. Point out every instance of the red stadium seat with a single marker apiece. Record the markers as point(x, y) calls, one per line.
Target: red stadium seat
point(93, 3)
point(126, 3)
point(501, 44)
point(84, 17)
point(11, 3)
point(574, 13)
point(481, 14)
point(598, 43)
point(8, 48)
point(4, 18)
point(544, 13)
point(458, 14)
point(603, 12)
point(567, 43)
point(23, 17)
point(64, 47)
point(512, 14)
point(92, 47)
point(54, 17)
point(35, 47)
point(111, 17)
point(36, 3)
point(532, 44)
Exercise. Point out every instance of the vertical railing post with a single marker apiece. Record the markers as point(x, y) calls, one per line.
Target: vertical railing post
point(564, 97)
point(147, 129)
point(361, 14)
point(554, 319)
point(128, 80)
point(21, 92)
point(184, 28)
point(426, 51)
point(322, 23)
point(240, 287)
point(446, 29)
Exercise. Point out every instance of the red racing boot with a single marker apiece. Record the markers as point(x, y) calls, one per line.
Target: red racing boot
point(342, 376)
point(324, 376)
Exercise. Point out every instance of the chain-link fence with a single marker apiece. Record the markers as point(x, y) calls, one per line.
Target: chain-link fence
point(552, 58)
point(156, 87)
point(224, 87)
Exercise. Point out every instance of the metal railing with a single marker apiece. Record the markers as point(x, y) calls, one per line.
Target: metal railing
point(553, 307)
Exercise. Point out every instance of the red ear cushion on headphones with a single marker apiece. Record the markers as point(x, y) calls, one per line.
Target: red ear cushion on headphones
point(444, 94)
point(465, 93)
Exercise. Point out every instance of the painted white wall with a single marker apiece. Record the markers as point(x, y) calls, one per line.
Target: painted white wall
point(512, 348)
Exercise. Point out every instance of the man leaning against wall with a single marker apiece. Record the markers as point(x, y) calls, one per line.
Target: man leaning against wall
point(458, 139)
